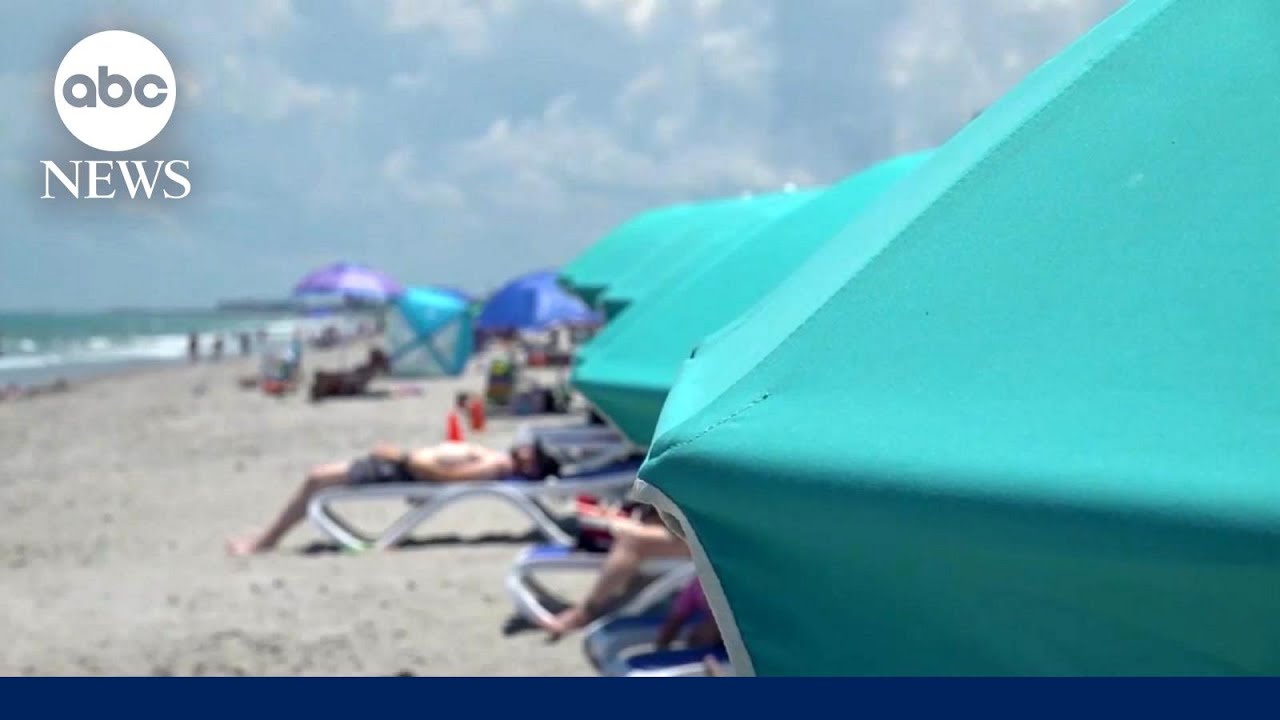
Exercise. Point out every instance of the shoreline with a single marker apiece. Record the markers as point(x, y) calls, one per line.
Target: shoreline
point(85, 374)
point(90, 373)
point(91, 348)
point(107, 372)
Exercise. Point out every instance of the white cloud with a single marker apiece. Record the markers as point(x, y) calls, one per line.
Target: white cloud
point(190, 87)
point(704, 9)
point(659, 105)
point(640, 92)
point(466, 24)
point(737, 58)
point(268, 17)
point(737, 48)
point(410, 82)
point(494, 117)
point(401, 172)
point(946, 60)
point(531, 158)
point(637, 15)
point(260, 87)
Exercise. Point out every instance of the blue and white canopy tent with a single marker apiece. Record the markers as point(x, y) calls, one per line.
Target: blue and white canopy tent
point(429, 333)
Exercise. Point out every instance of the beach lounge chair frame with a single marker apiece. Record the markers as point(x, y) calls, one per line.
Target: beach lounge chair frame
point(665, 664)
point(609, 477)
point(669, 576)
point(581, 435)
point(573, 442)
point(623, 647)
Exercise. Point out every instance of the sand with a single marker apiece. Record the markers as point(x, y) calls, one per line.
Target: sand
point(116, 498)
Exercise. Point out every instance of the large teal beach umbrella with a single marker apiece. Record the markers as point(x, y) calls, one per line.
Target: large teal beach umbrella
point(628, 368)
point(1029, 423)
point(717, 226)
point(588, 274)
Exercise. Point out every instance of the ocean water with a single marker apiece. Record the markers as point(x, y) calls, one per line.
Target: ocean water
point(43, 347)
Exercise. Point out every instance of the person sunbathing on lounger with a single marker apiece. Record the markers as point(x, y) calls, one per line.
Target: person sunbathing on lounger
point(634, 542)
point(446, 463)
point(350, 383)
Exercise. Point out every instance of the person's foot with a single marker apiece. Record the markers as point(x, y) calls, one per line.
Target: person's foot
point(242, 546)
point(565, 623)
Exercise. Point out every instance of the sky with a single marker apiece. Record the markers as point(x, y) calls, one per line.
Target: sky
point(462, 142)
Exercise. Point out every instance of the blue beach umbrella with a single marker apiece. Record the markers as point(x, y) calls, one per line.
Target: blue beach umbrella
point(533, 302)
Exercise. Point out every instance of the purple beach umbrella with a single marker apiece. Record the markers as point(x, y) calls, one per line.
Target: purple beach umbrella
point(349, 280)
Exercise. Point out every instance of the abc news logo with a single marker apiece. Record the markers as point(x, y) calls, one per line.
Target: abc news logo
point(90, 92)
point(115, 92)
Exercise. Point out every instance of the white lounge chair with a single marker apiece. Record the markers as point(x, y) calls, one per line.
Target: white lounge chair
point(609, 479)
point(592, 434)
point(667, 576)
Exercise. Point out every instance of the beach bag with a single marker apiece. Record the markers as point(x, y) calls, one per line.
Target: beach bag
point(501, 382)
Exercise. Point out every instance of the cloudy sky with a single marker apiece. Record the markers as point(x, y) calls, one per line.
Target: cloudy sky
point(463, 141)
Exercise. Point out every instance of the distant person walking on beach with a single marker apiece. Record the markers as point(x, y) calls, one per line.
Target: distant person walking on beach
point(217, 347)
point(449, 462)
point(193, 346)
point(245, 344)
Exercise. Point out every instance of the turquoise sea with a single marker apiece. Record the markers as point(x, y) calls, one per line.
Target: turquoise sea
point(39, 347)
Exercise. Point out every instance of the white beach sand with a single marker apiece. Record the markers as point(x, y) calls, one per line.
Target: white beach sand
point(116, 499)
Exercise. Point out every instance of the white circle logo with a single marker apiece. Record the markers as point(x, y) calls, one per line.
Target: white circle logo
point(115, 91)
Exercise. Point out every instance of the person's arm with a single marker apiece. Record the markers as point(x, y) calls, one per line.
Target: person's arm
point(620, 526)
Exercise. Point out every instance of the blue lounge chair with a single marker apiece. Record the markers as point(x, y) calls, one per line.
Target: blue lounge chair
point(623, 647)
point(688, 662)
point(574, 443)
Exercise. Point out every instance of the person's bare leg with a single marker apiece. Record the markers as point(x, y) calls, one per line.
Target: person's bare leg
point(633, 544)
point(321, 477)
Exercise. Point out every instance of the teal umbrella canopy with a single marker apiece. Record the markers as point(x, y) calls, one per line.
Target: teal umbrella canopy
point(608, 384)
point(718, 226)
point(1028, 423)
point(589, 274)
point(628, 368)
